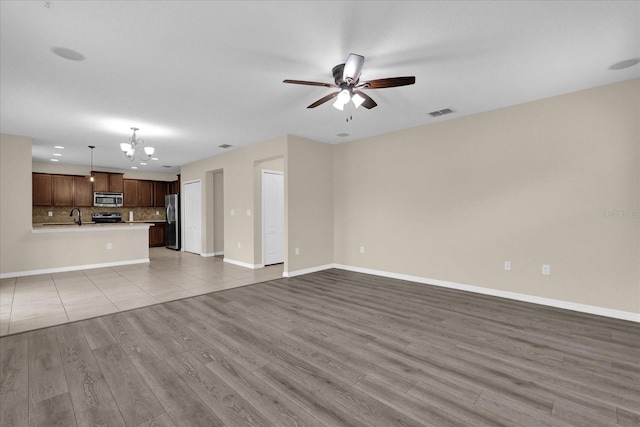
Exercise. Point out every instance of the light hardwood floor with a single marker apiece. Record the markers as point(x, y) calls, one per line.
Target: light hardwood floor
point(332, 348)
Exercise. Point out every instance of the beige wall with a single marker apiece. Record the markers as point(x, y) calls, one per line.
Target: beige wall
point(309, 194)
point(238, 168)
point(308, 170)
point(22, 252)
point(533, 184)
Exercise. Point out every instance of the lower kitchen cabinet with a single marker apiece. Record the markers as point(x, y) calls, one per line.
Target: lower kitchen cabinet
point(156, 235)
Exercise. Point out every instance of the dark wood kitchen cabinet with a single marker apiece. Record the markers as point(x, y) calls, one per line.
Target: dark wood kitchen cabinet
point(145, 193)
point(156, 235)
point(160, 190)
point(41, 188)
point(138, 193)
point(101, 182)
point(108, 182)
point(116, 182)
point(130, 187)
point(82, 191)
point(62, 190)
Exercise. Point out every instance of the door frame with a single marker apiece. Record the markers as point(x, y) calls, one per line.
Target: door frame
point(263, 232)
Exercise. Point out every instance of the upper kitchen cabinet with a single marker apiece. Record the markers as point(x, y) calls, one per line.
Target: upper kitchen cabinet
point(82, 191)
point(108, 182)
point(161, 189)
point(130, 187)
point(145, 193)
point(42, 191)
point(62, 190)
point(138, 193)
point(116, 183)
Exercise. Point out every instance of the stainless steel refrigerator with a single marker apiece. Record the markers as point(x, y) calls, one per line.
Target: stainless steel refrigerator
point(172, 228)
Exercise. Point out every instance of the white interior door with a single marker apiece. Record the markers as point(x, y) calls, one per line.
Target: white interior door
point(192, 199)
point(272, 217)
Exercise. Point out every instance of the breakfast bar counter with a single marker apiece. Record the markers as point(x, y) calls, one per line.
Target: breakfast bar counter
point(89, 227)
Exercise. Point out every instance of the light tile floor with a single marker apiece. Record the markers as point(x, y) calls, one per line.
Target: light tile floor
point(33, 302)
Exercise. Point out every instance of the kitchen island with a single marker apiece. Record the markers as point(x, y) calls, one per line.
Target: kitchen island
point(62, 247)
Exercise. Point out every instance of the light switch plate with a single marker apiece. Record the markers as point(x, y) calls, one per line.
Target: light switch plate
point(297, 251)
point(546, 269)
point(507, 265)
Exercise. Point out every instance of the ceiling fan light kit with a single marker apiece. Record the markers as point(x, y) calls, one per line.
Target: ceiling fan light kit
point(347, 78)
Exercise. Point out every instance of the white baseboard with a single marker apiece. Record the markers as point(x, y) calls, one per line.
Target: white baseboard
point(210, 254)
point(243, 264)
point(72, 268)
point(583, 308)
point(307, 270)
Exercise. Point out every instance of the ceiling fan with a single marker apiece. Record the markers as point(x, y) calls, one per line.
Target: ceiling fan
point(347, 79)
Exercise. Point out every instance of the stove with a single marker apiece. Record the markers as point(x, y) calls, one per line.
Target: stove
point(106, 217)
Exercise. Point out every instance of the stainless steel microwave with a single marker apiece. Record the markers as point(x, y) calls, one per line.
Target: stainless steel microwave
point(111, 200)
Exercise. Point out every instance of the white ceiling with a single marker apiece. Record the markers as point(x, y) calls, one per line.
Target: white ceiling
point(193, 75)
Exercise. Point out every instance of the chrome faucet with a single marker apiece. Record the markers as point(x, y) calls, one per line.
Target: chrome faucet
point(79, 220)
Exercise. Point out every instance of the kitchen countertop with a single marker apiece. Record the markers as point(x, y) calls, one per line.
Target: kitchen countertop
point(64, 227)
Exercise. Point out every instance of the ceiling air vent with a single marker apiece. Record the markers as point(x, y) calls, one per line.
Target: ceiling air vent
point(441, 112)
point(224, 146)
point(166, 166)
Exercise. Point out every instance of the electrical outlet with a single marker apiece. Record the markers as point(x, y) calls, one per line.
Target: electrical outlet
point(546, 269)
point(507, 265)
point(157, 212)
point(233, 212)
point(50, 213)
point(361, 249)
point(109, 246)
point(297, 250)
point(248, 212)
point(239, 245)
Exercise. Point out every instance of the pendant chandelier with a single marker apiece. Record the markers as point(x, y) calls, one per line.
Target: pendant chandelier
point(134, 148)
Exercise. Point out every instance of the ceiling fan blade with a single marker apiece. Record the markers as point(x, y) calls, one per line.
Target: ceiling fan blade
point(304, 82)
point(368, 102)
point(352, 68)
point(388, 82)
point(323, 100)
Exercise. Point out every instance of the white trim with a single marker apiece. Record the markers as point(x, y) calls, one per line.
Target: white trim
point(566, 305)
point(243, 264)
point(210, 254)
point(307, 270)
point(72, 268)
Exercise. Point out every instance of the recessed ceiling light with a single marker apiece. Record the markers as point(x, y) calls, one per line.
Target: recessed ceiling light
point(55, 160)
point(59, 147)
point(67, 53)
point(342, 135)
point(134, 167)
point(57, 154)
point(143, 163)
point(625, 64)
point(154, 158)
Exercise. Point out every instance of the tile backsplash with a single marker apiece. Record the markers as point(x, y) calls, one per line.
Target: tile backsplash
point(40, 214)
